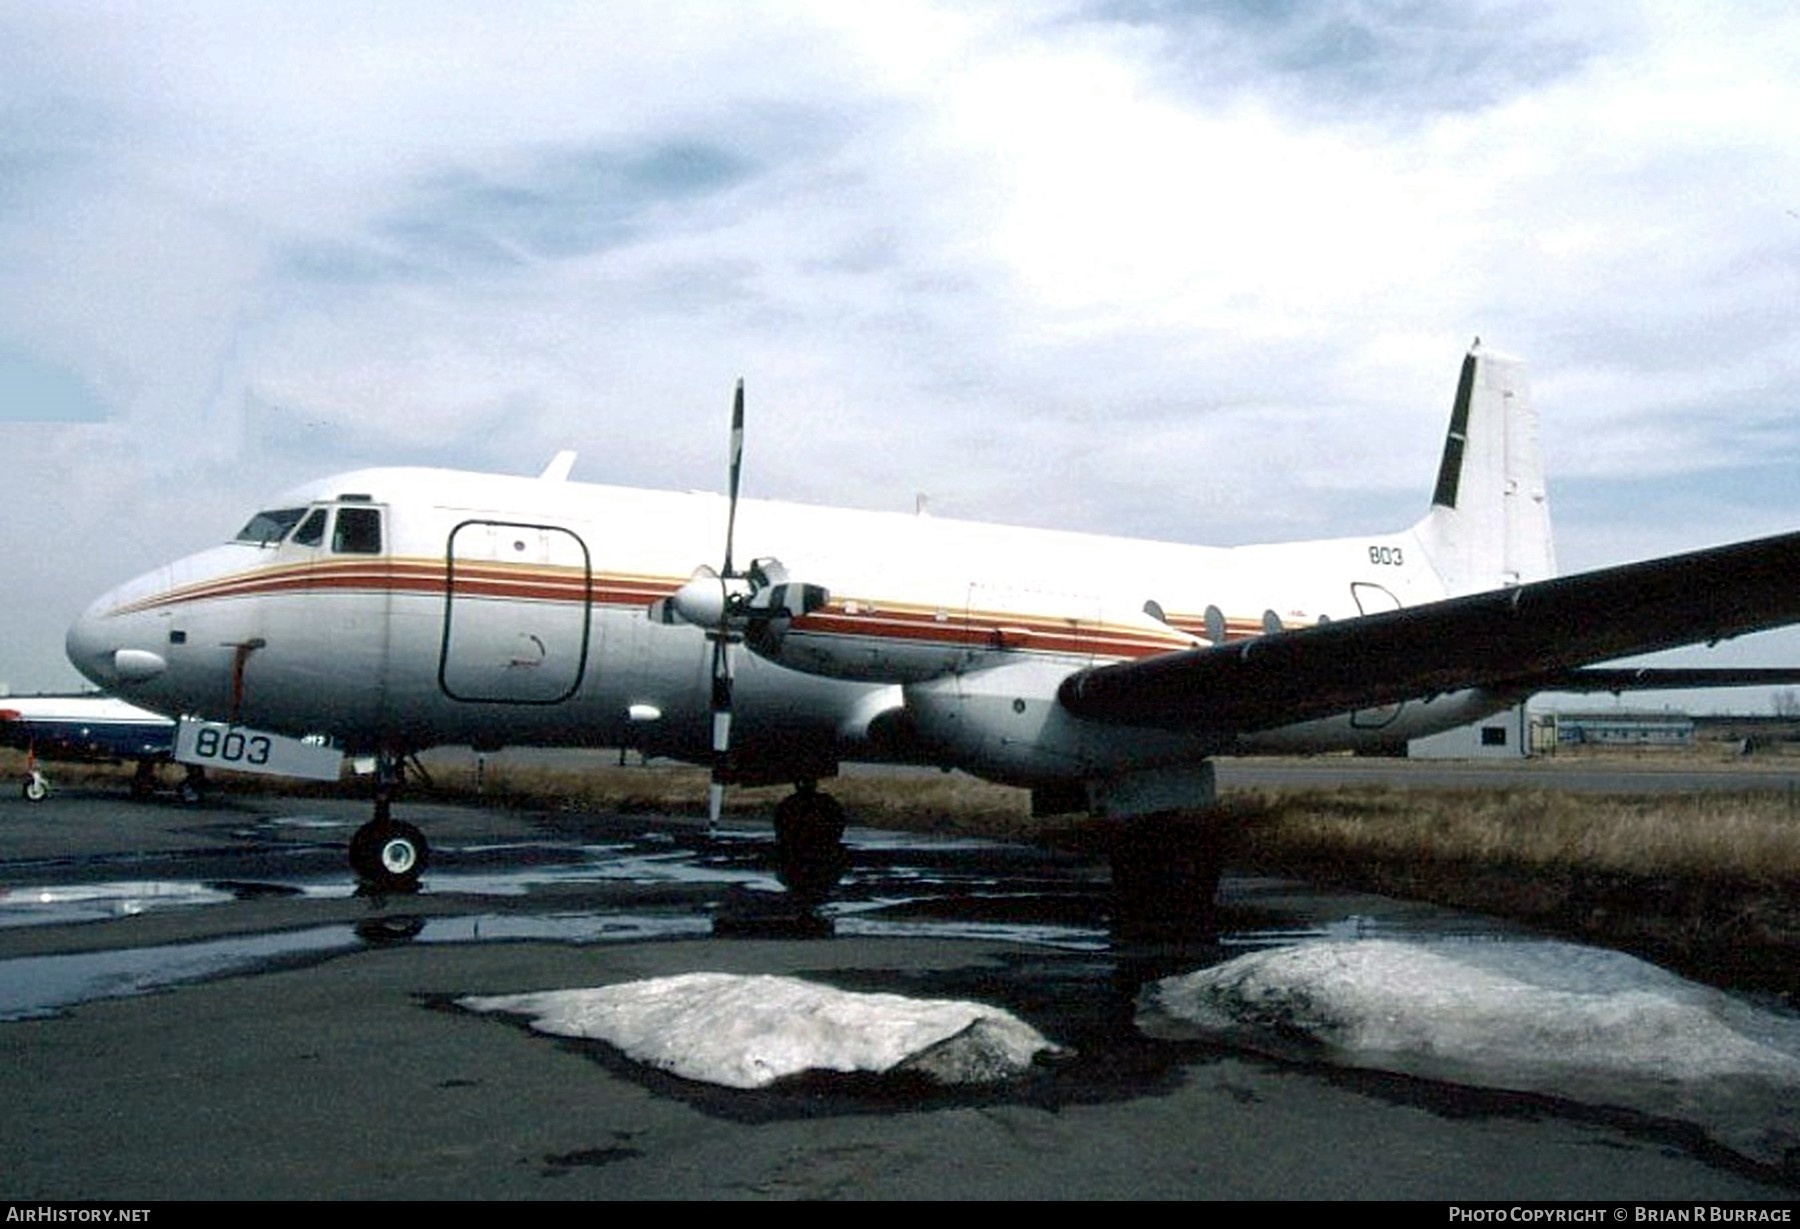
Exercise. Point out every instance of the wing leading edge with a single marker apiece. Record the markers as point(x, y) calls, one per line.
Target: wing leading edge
point(1521, 639)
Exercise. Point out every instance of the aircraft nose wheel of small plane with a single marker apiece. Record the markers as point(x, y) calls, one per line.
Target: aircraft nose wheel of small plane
point(37, 787)
point(389, 855)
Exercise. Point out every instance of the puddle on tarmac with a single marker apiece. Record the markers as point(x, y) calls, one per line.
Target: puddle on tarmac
point(899, 885)
point(92, 902)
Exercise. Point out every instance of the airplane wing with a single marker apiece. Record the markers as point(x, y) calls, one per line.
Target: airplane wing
point(1523, 639)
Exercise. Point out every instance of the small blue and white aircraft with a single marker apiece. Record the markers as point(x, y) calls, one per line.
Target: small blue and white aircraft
point(390, 610)
point(90, 729)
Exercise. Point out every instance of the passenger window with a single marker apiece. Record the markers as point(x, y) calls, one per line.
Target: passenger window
point(312, 529)
point(358, 532)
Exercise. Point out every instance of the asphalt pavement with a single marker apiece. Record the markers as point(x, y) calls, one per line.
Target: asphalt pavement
point(297, 1041)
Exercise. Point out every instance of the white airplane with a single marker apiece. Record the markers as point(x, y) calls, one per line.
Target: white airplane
point(396, 609)
point(90, 729)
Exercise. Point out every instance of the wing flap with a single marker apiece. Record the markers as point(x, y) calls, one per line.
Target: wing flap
point(1503, 639)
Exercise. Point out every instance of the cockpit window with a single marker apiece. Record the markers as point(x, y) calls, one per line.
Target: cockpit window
point(266, 528)
point(312, 529)
point(358, 532)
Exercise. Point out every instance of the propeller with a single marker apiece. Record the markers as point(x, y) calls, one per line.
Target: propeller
point(721, 634)
point(729, 605)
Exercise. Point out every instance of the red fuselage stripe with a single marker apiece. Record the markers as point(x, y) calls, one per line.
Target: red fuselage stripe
point(851, 620)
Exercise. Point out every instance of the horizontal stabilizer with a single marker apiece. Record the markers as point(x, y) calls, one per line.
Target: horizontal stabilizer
point(1522, 639)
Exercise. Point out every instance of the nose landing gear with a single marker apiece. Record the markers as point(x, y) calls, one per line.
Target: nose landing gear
point(388, 854)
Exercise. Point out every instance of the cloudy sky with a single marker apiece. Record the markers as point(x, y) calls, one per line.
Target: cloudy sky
point(1193, 271)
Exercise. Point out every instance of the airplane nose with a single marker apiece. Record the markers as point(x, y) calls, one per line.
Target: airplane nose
point(98, 646)
point(90, 649)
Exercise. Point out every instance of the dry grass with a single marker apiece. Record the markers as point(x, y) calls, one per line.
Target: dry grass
point(1746, 835)
point(930, 802)
point(1703, 881)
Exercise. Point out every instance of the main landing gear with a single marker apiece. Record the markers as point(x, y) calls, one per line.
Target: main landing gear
point(809, 842)
point(388, 854)
point(809, 860)
point(1166, 870)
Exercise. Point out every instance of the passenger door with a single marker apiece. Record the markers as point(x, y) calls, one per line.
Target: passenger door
point(516, 613)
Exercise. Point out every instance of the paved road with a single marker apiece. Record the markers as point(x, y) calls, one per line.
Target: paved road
point(1663, 773)
point(303, 1044)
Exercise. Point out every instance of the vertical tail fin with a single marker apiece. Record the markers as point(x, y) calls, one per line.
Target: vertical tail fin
point(1489, 524)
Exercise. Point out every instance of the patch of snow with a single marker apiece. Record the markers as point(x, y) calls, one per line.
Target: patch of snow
point(749, 1031)
point(1552, 1018)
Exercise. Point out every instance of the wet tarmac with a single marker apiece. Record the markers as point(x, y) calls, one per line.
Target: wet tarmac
point(198, 1004)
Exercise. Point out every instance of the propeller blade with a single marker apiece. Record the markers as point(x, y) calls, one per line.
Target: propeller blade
point(721, 697)
point(721, 727)
point(737, 469)
point(721, 665)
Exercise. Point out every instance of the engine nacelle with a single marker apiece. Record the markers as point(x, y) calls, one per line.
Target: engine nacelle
point(861, 644)
point(1005, 723)
point(993, 629)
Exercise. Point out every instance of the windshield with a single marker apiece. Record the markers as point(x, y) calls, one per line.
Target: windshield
point(267, 527)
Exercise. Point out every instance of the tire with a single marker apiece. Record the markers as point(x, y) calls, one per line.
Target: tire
point(808, 818)
point(37, 787)
point(389, 855)
point(187, 792)
point(809, 845)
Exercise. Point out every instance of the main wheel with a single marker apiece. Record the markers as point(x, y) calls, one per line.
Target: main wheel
point(807, 817)
point(389, 854)
point(809, 844)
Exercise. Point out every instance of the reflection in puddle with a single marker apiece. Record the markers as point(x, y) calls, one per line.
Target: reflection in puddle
point(885, 864)
point(901, 886)
point(92, 902)
point(34, 986)
point(42, 985)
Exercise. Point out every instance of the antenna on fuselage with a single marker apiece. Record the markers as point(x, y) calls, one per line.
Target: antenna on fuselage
point(559, 467)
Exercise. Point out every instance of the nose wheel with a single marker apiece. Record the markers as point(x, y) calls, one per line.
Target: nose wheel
point(388, 854)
